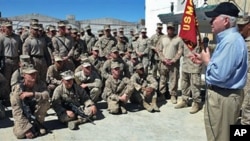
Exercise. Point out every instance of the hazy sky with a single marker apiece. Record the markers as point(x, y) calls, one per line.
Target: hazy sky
point(128, 10)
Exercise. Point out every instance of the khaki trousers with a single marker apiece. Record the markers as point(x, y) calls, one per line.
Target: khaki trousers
point(222, 108)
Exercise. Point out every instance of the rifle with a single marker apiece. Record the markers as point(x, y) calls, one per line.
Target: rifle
point(28, 113)
point(77, 111)
point(31, 117)
point(2, 64)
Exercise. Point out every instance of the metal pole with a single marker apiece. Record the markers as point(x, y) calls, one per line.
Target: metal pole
point(245, 2)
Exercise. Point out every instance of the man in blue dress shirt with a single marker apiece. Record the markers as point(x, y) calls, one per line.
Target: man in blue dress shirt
point(226, 72)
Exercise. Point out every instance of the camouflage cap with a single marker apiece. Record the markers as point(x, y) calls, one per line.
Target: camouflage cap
point(61, 24)
point(120, 35)
point(82, 30)
point(115, 65)
point(136, 35)
point(24, 58)
point(52, 28)
point(121, 52)
point(114, 30)
point(74, 30)
point(243, 20)
point(25, 27)
point(144, 30)
point(7, 23)
point(159, 25)
point(121, 29)
point(29, 69)
point(107, 27)
point(95, 48)
point(34, 26)
point(84, 58)
point(86, 64)
point(170, 24)
point(34, 21)
point(114, 49)
point(139, 66)
point(69, 26)
point(67, 75)
point(87, 27)
point(58, 58)
point(40, 26)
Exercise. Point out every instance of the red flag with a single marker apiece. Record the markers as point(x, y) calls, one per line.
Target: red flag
point(189, 26)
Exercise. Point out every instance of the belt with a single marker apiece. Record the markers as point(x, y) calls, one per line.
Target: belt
point(214, 87)
point(36, 56)
point(12, 58)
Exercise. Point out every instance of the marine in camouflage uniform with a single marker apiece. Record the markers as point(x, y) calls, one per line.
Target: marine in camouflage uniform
point(154, 56)
point(190, 82)
point(69, 92)
point(244, 29)
point(35, 47)
point(89, 80)
point(169, 50)
point(121, 34)
point(33, 93)
point(106, 42)
point(89, 39)
point(132, 63)
point(122, 44)
point(17, 75)
point(114, 57)
point(53, 77)
point(10, 49)
point(117, 90)
point(63, 45)
point(96, 60)
point(143, 50)
point(145, 88)
point(79, 47)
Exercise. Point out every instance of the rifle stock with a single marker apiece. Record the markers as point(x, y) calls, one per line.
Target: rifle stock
point(77, 111)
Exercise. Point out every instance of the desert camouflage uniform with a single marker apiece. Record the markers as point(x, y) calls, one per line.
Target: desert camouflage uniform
point(75, 95)
point(94, 84)
point(143, 47)
point(36, 48)
point(41, 97)
point(115, 88)
point(105, 44)
point(154, 57)
point(106, 69)
point(64, 49)
point(139, 94)
point(90, 41)
point(245, 120)
point(170, 49)
point(191, 77)
point(10, 49)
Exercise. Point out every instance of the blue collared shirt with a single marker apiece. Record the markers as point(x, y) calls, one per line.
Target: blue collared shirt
point(228, 65)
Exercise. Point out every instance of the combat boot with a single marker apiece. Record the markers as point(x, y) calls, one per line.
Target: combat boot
point(154, 105)
point(195, 108)
point(73, 125)
point(123, 109)
point(181, 104)
point(147, 106)
point(173, 99)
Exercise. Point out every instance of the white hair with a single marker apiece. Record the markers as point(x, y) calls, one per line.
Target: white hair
point(232, 20)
